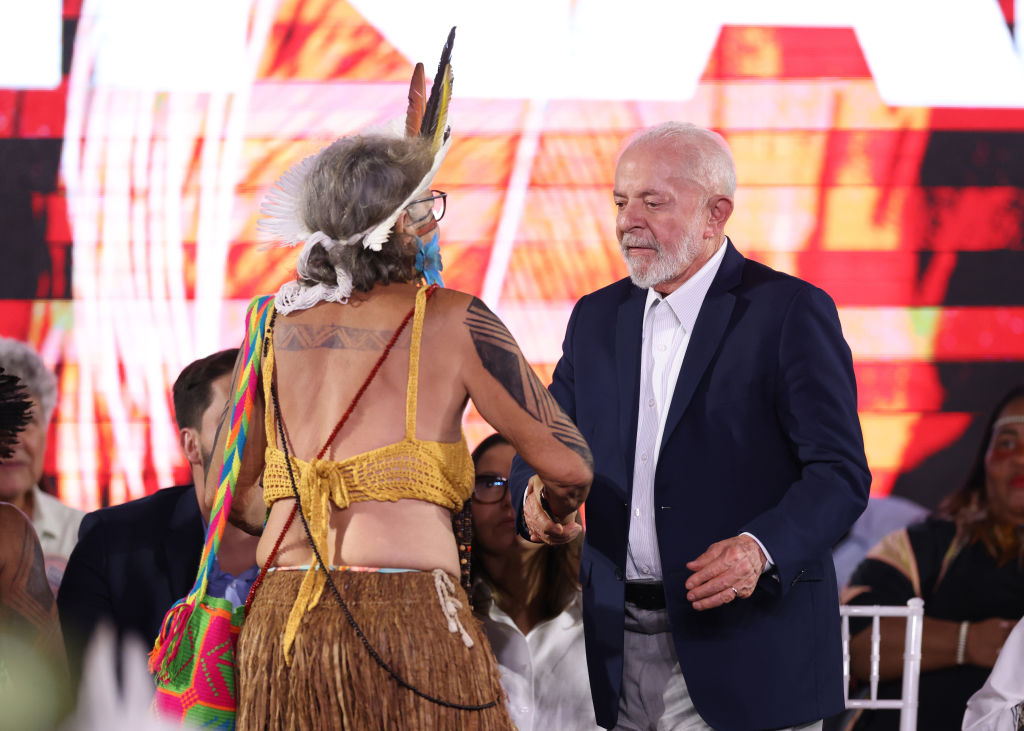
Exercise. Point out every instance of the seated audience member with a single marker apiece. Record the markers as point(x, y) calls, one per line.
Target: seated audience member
point(135, 560)
point(999, 705)
point(528, 598)
point(33, 672)
point(55, 523)
point(967, 563)
point(882, 516)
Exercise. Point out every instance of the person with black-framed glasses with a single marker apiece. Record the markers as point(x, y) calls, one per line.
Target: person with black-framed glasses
point(358, 538)
point(528, 597)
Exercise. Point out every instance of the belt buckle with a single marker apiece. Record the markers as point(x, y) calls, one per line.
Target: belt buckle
point(646, 595)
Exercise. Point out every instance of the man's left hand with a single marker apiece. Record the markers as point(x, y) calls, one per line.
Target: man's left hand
point(727, 571)
point(544, 527)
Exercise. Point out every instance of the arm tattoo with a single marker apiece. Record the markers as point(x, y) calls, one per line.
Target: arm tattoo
point(334, 337)
point(501, 357)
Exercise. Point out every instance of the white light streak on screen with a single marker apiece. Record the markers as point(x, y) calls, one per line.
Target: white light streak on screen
point(556, 49)
point(146, 90)
point(176, 125)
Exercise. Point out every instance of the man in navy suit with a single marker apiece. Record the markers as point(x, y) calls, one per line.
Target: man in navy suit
point(133, 561)
point(719, 401)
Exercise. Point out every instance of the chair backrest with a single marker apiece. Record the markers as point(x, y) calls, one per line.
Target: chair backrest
point(907, 703)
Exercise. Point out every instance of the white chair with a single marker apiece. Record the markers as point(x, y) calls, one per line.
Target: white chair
point(907, 703)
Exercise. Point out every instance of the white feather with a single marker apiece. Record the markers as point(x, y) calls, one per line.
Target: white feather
point(282, 223)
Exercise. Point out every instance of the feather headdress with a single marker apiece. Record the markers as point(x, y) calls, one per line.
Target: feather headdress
point(433, 126)
point(427, 118)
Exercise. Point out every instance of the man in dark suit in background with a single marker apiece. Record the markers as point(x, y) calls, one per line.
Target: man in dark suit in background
point(133, 561)
point(719, 401)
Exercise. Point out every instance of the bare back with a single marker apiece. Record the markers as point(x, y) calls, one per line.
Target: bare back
point(323, 356)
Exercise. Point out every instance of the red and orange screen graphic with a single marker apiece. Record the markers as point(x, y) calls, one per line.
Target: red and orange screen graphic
point(129, 212)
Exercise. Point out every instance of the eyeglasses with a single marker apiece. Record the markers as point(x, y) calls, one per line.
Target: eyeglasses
point(489, 489)
point(419, 212)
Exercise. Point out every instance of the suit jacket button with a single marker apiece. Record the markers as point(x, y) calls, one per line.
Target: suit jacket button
point(618, 574)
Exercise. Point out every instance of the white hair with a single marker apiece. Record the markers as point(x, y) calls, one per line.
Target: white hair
point(708, 154)
point(19, 359)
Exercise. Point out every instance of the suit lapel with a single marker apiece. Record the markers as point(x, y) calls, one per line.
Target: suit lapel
point(707, 334)
point(183, 543)
point(628, 338)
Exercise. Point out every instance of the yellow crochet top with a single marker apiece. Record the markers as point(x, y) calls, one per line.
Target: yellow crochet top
point(436, 472)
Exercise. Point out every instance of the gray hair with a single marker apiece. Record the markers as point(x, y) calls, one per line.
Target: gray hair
point(19, 359)
point(707, 152)
point(355, 183)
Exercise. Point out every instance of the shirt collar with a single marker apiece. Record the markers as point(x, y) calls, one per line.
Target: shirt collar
point(685, 302)
point(569, 617)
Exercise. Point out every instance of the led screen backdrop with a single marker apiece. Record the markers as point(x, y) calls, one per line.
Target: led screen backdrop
point(888, 173)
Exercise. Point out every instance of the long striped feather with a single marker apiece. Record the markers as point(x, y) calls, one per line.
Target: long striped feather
point(442, 112)
point(429, 127)
point(417, 102)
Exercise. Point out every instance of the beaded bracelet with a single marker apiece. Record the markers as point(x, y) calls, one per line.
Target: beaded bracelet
point(961, 643)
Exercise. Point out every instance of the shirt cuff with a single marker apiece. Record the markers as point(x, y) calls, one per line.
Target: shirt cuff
point(768, 564)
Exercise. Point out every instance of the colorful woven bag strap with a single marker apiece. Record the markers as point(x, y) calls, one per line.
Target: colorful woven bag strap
point(172, 629)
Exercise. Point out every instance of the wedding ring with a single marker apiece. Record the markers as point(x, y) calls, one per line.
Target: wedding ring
point(735, 594)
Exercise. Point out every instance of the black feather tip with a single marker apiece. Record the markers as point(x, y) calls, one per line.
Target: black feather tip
point(429, 127)
point(15, 412)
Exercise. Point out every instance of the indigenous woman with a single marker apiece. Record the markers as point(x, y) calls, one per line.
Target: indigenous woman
point(360, 621)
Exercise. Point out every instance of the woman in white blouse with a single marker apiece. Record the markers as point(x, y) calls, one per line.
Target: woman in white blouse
point(528, 597)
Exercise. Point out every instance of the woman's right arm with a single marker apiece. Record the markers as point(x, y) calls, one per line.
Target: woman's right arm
point(939, 638)
point(886, 577)
point(511, 397)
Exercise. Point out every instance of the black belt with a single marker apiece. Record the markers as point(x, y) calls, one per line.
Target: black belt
point(646, 595)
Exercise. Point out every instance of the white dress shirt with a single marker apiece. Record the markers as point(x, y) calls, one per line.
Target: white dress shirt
point(56, 526)
point(668, 323)
point(999, 704)
point(543, 672)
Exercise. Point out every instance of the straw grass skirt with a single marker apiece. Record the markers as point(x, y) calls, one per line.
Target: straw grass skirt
point(334, 683)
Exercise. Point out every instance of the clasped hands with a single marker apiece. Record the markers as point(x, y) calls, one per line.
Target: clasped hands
point(545, 527)
point(727, 571)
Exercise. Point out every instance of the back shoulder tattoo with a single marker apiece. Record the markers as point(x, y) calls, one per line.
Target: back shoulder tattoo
point(300, 336)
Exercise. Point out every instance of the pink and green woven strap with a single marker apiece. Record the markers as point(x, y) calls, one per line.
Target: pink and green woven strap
point(243, 402)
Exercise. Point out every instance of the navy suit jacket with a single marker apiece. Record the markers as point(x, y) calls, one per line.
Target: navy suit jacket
point(762, 435)
point(131, 563)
